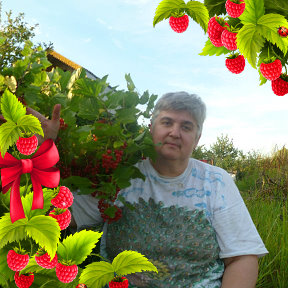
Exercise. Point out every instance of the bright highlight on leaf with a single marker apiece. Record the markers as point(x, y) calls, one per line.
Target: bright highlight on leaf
point(78, 246)
point(127, 262)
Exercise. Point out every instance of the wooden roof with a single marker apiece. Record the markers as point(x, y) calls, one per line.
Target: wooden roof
point(62, 62)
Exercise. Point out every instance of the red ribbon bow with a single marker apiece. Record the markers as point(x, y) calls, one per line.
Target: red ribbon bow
point(41, 170)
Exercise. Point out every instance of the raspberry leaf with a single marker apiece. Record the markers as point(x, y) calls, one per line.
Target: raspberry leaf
point(75, 182)
point(267, 26)
point(210, 49)
point(78, 246)
point(45, 231)
point(11, 108)
point(215, 7)
point(97, 274)
point(27, 203)
point(30, 124)
point(128, 262)
point(11, 232)
point(6, 273)
point(254, 10)
point(32, 266)
point(168, 8)
point(9, 134)
point(250, 42)
point(199, 13)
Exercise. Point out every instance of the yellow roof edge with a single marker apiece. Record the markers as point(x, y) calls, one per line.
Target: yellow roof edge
point(64, 59)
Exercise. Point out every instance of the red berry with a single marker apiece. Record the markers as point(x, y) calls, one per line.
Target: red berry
point(179, 24)
point(229, 40)
point(235, 65)
point(81, 286)
point(216, 26)
point(45, 261)
point(63, 218)
point(27, 146)
point(63, 125)
point(279, 86)
point(283, 31)
point(233, 9)
point(64, 198)
point(17, 262)
point(23, 280)
point(119, 282)
point(65, 273)
point(271, 71)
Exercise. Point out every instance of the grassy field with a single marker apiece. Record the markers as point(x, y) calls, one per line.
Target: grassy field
point(270, 218)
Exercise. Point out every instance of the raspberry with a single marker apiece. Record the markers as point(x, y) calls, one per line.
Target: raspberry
point(65, 273)
point(216, 26)
point(17, 262)
point(81, 286)
point(233, 9)
point(119, 282)
point(271, 71)
point(280, 86)
point(235, 65)
point(63, 217)
point(27, 146)
point(179, 24)
point(24, 280)
point(229, 40)
point(64, 198)
point(283, 31)
point(45, 261)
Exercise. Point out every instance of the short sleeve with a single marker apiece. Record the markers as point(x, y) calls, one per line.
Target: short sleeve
point(235, 230)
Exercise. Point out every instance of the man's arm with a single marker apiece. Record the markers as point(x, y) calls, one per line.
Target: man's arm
point(240, 272)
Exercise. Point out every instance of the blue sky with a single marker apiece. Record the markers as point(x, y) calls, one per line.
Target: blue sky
point(114, 37)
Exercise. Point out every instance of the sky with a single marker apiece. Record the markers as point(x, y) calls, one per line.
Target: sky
point(116, 37)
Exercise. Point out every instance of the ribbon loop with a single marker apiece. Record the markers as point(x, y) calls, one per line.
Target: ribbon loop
point(42, 171)
point(27, 165)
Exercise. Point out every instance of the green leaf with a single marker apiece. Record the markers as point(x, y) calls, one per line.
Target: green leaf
point(268, 26)
point(32, 266)
point(9, 134)
point(78, 246)
point(167, 8)
point(97, 274)
point(128, 262)
point(254, 10)
point(11, 232)
point(250, 43)
point(199, 13)
point(215, 7)
point(27, 203)
point(6, 273)
point(75, 182)
point(45, 231)
point(12, 109)
point(130, 85)
point(30, 124)
point(209, 49)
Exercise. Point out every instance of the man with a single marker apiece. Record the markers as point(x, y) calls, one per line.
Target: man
point(189, 218)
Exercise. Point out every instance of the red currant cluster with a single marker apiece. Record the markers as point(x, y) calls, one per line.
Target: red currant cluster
point(111, 160)
point(103, 205)
point(63, 125)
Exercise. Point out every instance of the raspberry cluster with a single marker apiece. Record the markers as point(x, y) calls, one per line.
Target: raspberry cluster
point(23, 280)
point(119, 282)
point(66, 273)
point(44, 260)
point(27, 146)
point(63, 217)
point(179, 24)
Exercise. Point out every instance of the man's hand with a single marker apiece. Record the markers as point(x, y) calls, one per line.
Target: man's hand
point(50, 126)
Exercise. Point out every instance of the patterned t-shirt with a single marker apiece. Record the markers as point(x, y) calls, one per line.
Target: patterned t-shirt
point(185, 225)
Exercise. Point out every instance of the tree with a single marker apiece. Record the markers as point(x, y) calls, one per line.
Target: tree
point(224, 153)
point(14, 32)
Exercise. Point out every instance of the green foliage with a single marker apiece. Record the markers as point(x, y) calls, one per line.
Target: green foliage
point(254, 10)
point(215, 7)
point(210, 50)
point(77, 247)
point(127, 262)
point(176, 8)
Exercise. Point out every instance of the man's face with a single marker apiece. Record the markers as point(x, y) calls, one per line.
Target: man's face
point(177, 133)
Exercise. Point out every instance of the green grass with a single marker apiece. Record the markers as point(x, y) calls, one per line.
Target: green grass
point(270, 218)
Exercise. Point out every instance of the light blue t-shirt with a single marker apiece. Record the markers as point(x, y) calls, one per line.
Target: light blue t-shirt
point(185, 225)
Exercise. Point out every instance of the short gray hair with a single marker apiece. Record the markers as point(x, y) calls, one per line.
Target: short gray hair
point(182, 101)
